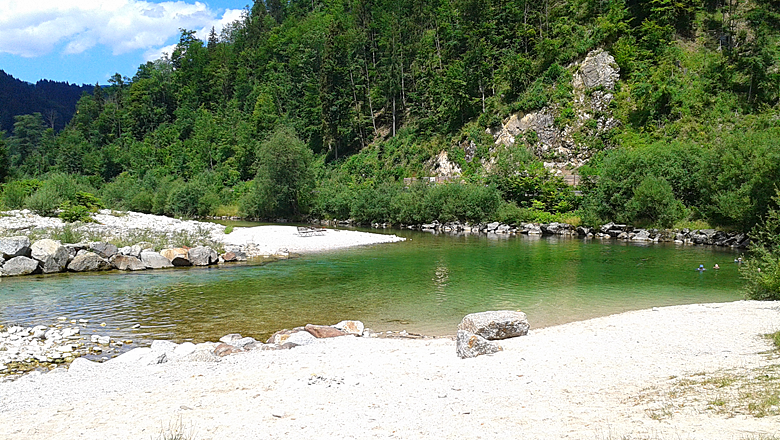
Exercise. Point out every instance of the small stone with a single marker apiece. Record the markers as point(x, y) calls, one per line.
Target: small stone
point(137, 326)
point(62, 318)
point(102, 324)
point(223, 350)
point(104, 340)
point(83, 321)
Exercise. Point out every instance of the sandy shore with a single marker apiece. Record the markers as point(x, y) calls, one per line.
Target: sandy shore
point(607, 378)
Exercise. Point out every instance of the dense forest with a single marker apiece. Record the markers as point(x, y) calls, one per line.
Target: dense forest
point(55, 101)
point(321, 109)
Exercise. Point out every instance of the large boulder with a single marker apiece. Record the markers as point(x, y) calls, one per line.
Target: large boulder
point(469, 345)
point(203, 256)
point(127, 262)
point(105, 250)
point(177, 256)
point(494, 325)
point(133, 251)
point(11, 247)
point(153, 260)
point(88, 262)
point(52, 255)
point(19, 266)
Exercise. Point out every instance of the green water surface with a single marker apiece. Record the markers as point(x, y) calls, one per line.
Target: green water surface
point(424, 285)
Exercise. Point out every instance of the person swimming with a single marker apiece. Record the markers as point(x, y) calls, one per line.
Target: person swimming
point(716, 267)
point(701, 268)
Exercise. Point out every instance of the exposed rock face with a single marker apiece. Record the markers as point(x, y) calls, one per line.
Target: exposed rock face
point(52, 255)
point(442, 166)
point(494, 325)
point(19, 266)
point(153, 260)
point(105, 250)
point(88, 261)
point(592, 85)
point(469, 345)
point(11, 247)
point(127, 262)
point(203, 256)
point(323, 331)
point(177, 256)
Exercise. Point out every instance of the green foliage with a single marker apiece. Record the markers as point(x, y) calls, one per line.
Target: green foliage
point(16, 192)
point(44, 201)
point(70, 213)
point(654, 203)
point(761, 270)
point(284, 180)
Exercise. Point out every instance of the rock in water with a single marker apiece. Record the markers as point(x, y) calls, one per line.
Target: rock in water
point(88, 261)
point(52, 255)
point(469, 345)
point(127, 262)
point(494, 325)
point(323, 331)
point(19, 266)
point(177, 256)
point(11, 247)
point(153, 260)
point(203, 256)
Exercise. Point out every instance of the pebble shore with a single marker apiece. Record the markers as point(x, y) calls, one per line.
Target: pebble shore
point(612, 377)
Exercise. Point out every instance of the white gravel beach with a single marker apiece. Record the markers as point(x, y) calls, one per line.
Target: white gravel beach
point(254, 241)
point(616, 377)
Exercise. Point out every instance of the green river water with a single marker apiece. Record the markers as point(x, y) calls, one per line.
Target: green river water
point(424, 285)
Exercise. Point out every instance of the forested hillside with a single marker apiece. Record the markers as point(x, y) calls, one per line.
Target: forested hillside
point(55, 101)
point(322, 108)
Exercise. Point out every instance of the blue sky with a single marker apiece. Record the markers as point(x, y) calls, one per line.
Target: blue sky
point(88, 41)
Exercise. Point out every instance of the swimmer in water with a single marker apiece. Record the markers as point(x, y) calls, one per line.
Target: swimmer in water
point(701, 268)
point(716, 267)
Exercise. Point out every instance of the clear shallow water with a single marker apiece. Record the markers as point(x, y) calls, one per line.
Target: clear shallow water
point(424, 285)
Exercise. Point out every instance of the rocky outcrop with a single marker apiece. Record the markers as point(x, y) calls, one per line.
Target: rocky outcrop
point(87, 261)
point(19, 266)
point(52, 255)
point(11, 247)
point(587, 115)
point(496, 325)
point(469, 345)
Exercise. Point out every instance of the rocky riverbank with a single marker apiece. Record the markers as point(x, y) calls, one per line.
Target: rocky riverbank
point(610, 230)
point(30, 244)
point(667, 372)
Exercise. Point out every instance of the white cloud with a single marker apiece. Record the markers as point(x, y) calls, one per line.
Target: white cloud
point(35, 28)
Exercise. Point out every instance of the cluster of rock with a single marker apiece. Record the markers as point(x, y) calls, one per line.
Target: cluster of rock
point(26, 348)
point(710, 237)
point(19, 257)
point(477, 331)
point(162, 351)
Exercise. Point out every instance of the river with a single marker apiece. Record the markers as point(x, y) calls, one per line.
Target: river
point(424, 285)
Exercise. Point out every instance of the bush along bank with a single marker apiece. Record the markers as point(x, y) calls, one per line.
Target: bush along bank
point(610, 230)
point(19, 257)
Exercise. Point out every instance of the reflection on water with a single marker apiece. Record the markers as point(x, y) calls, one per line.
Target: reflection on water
point(424, 285)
